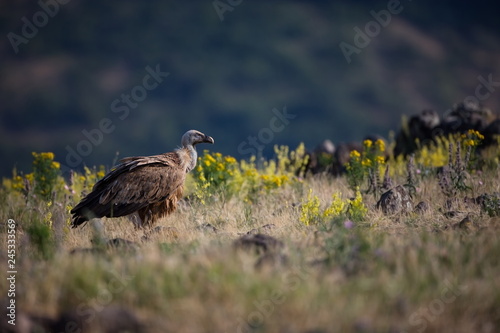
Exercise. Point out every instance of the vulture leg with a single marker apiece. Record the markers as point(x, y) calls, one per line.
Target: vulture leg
point(146, 217)
point(136, 220)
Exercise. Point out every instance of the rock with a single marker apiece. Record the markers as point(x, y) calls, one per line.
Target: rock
point(421, 127)
point(466, 224)
point(422, 207)
point(396, 200)
point(342, 156)
point(465, 116)
point(207, 227)
point(108, 320)
point(320, 160)
point(427, 125)
point(491, 132)
point(259, 243)
point(271, 260)
point(326, 146)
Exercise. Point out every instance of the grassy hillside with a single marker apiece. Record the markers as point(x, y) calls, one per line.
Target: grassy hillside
point(268, 250)
point(226, 76)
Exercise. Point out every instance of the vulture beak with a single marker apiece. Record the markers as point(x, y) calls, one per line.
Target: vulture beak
point(208, 139)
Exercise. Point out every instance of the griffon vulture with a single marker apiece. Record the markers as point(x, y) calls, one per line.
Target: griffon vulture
point(147, 185)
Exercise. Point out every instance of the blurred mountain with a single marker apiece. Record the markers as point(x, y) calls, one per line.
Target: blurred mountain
point(92, 79)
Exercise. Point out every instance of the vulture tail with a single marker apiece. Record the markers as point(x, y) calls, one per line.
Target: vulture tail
point(88, 209)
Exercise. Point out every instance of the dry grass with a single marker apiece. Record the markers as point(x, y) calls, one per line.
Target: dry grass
point(411, 273)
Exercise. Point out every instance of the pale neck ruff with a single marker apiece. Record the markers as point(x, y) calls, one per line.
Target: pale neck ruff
point(193, 158)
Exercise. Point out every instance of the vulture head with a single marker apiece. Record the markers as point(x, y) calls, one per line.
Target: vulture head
point(189, 140)
point(193, 137)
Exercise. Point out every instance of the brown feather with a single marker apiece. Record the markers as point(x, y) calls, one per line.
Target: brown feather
point(148, 185)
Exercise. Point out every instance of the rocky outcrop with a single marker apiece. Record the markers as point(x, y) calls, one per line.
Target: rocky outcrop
point(395, 201)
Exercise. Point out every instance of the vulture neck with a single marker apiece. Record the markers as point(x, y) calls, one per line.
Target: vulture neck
point(193, 157)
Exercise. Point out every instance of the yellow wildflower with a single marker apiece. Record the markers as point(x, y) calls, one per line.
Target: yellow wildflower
point(229, 159)
point(55, 165)
point(380, 159)
point(354, 154)
point(48, 218)
point(202, 178)
point(251, 172)
point(470, 143)
point(309, 211)
point(357, 209)
point(210, 159)
point(367, 143)
point(476, 134)
point(49, 155)
point(336, 207)
point(380, 145)
point(17, 183)
point(366, 162)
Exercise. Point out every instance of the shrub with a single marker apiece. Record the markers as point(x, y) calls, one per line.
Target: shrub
point(336, 208)
point(41, 238)
point(45, 174)
point(356, 209)
point(368, 164)
point(312, 213)
point(82, 183)
point(453, 177)
point(490, 203)
point(216, 173)
point(349, 247)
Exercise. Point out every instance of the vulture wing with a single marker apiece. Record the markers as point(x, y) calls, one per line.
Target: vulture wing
point(132, 185)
